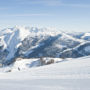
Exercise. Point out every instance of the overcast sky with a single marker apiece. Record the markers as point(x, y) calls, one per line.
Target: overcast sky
point(68, 15)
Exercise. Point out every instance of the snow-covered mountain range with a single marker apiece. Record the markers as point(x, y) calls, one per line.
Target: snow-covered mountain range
point(33, 42)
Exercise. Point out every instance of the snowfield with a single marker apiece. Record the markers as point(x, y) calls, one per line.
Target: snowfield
point(68, 74)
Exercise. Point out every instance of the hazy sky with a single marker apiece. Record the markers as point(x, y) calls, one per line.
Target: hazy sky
point(64, 14)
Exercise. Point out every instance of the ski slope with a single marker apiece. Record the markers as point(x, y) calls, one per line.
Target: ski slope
point(70, 74)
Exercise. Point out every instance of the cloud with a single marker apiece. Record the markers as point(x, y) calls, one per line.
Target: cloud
point(30, 15)
point(52, 3)
point(40, 2)
point(26, 15)
point(76, 5)
point(60, 3)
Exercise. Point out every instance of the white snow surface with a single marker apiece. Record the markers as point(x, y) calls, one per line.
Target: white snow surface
point(68, 74)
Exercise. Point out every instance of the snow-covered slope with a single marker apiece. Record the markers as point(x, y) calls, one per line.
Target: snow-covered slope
point(81, 50)
point(11, 38)
point(81, 35)
point(70, 74)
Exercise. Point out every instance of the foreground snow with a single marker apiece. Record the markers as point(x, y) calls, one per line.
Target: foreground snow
point(71, 74)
